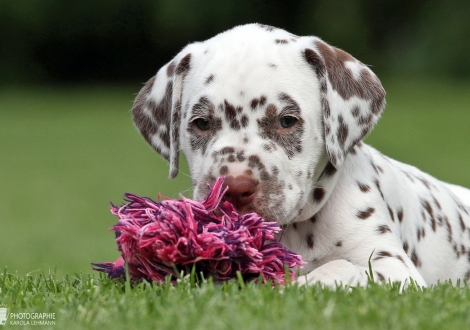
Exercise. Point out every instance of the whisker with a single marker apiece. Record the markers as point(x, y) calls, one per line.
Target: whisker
point(185, 174)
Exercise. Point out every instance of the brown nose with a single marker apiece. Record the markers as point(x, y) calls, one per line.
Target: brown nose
point(241, 190)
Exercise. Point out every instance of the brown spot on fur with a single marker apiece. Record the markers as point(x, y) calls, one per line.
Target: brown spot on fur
point(366, 213)
point(427, 206)
point(383, 229)
point(400, 214)
point(449, 230)
point(316, 61)
point(325, 107)
point(268, 28)
point(264, 176)
point(375, 169)
point(462, 224)
point(227, 150)
point(408, 175)
point(266, 147)
point(184, 64)
point(436, 202)
point(223, 170)
point(262, 100)
point(282, 41)
point(170, 69)
point(355, 111)
point(231, 113)
point(339, 244)
point(377, 184)
point(381, 277)
point(258, 102)
point(420, 234)
point(255, 162)
point(425, 182)
point(310, 241)
point(342, 132)
point(327, 129)
point(391, 213)
point(365, 120)
point(318, 194)
point(271, 111)
point(244, 121)
point(382, 254)
point(329, 170)
point(456, 251)
point(209, 79)
point(401, 259)
point(275, 170)
point(165, 137)
point(364, 187)
point(415, 259)
point(405, 246)
point(241, 156)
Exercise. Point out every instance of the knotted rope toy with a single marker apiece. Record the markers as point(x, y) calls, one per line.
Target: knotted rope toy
point(165, 238)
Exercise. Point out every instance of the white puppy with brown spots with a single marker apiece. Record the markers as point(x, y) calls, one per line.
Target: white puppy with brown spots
point(282, 117)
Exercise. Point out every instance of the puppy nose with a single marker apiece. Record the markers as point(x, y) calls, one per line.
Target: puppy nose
point(241, 190)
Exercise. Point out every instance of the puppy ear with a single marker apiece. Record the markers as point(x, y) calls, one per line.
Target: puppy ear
point(352, 98)
point(157, 110)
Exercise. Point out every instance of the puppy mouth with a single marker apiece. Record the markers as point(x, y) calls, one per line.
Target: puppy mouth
point(246, 209)
point(252, 208)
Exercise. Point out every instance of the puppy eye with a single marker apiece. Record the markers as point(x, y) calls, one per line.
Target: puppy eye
point(287, 121)
point(203, 124)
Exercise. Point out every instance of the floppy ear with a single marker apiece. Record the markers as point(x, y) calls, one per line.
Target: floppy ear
point(352, 98)
point(157, 110)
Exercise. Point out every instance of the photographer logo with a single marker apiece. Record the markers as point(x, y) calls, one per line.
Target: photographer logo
point(30, 319)
point(3, 315)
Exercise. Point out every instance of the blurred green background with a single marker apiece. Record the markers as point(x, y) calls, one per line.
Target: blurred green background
point(70, 70)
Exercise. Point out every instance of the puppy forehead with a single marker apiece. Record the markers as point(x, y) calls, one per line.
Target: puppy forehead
point(250, 60)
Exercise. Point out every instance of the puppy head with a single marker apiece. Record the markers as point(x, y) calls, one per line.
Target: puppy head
point(269, 110)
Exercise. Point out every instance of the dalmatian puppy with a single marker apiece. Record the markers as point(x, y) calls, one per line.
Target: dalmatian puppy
point(282, 118)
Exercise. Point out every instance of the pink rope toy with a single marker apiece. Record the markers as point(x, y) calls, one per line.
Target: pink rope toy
point(158, 239)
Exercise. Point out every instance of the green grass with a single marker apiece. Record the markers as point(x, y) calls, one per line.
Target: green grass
point(426, 123)
point(66, 153)
point(88, 302)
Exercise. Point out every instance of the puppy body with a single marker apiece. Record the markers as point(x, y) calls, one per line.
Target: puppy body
point(282, 117)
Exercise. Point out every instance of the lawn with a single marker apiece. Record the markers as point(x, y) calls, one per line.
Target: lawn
point(67, 152)
point(86, 302)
